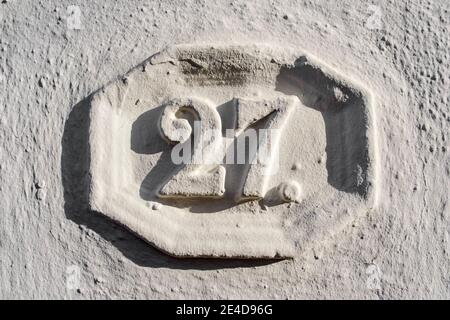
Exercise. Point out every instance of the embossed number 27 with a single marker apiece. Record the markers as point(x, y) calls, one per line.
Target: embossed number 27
point(206, 178)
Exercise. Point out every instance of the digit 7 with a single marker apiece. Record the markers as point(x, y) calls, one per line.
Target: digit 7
point(264, 158)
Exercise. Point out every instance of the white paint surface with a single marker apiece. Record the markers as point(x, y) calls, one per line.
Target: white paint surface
point(51, 247)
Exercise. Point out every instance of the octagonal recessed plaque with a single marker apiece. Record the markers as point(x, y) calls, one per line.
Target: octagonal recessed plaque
point(232, 151)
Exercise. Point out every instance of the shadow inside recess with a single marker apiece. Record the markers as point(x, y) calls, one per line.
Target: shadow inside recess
point(345, 122)
point(346, 148)
point(75, 163)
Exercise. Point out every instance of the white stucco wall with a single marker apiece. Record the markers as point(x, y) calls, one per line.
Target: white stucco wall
point(52, 247)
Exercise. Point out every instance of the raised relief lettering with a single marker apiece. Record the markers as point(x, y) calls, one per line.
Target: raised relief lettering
point(232, 151)
point(201, 176)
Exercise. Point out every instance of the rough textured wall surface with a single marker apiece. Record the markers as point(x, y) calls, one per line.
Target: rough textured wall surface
point(51, 246)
